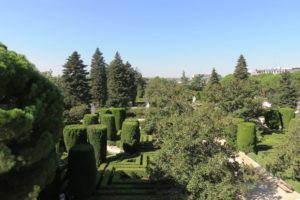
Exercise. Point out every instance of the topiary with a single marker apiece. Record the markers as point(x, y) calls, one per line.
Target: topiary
point(97, 137)
point(286, 115)
point(30, 125)
point(74, 134)
point(246, 137)
point(90, 119)
point(120, 115)
point(273, 119)
point(81, 170)
point(102, 112)
point(109, 122)
point(75, 114)
point(130, 135)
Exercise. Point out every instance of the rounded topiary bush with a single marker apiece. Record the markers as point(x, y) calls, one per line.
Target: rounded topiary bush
point(75, 114)
point(130, 135)
point(30, 125)
point(120, 115)
point(97, 137)
point(102, 112)
point(74, 134)
point(109, 122)
point(90, 119)
point(286, 115)
point(273, 119)
point(246, 137)
point(81, 170)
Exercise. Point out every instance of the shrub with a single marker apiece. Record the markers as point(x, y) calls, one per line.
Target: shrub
point(90, 119)
point(81, 170)
point(30, 125)
point(102, 112)
point(273, 119)
point(76, 113)
point(130, 135)
point(74, 134)
point(286, 115)
point(97, 137)
point(246, 137)
point(120, 115)
point(138, 112)
point(109, 122)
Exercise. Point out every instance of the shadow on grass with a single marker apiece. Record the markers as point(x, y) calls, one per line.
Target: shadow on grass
point(263, 147)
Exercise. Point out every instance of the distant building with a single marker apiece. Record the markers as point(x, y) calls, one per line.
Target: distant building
point(278, 70)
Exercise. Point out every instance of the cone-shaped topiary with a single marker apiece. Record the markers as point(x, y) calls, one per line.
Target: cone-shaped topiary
point(30, 125)
point(109, 122)
point(74, 134)
point(97, 137)
point(130, 135)
point(120, 115)
point(246, 137)
point(81, 170)
point(273, 119)
point(90, 119)
point(102, 112)
point(286, 115)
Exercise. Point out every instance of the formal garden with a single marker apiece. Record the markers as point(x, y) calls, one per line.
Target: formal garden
point(91, 136)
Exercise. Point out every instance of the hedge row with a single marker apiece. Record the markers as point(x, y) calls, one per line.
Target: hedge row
point(109, 121)
point(74, 134)
point(90, 119)
point(286, 115)
point(130, 135)
point(246, 137)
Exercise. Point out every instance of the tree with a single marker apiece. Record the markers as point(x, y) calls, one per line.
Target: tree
point(197, 83)
point(98, 79)
point(212, 91)
point(75, 81)
point(241, 71)
point(117, 88)
point(184, 79)
point(130, 82)
point(141, 84)
point(214, 78)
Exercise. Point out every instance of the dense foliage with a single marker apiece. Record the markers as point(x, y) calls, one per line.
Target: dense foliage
point(109, 122)
point(97, 137)
point(241, 71)
point(74, 134)
point(90, 119)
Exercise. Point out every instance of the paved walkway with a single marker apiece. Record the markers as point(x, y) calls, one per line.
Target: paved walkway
point(268, 188)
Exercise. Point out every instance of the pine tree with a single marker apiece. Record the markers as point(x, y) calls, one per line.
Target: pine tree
point(130, 82)
point(98, 79)
point(241, 71)
point(214, 78)
point(117, 90)
point(75, 81)
point(141, 83)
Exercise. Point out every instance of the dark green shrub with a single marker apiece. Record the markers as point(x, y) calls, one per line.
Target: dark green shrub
point(81, 170)
point(138, 112)
point(75, 114)
point(120, 115)
point(90, 119)
point(286, 115)
point(273, 119)
point(109, 122)
point(97, 137)
point(74, 134)
point(30, 125)
point(246, 137)
point(130, 135)
point(102, 112)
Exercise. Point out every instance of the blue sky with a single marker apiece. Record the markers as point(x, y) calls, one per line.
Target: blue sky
point(160, 37)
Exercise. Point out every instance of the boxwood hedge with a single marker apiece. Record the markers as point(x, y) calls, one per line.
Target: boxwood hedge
point(130, 135)
point(286, 115)
point(90, 119)
point(109, 122)
point(74, 134)
point(97, 137)
point(120, 115)
point(246, 137)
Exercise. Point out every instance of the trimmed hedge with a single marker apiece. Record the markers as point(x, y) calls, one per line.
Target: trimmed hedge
point(286, 115)
point(246, 137)
point(82, 170)
point(109, 122)
point(75, 114)
point(120, 115)
point(273, 119)
point(90, 119)
point(74, 134)
point(31, 124)
point(130, 135)
point(102, 112)
point(97, 137)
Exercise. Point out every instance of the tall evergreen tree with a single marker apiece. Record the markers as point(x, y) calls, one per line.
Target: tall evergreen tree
point(117, 90)
point(75, 81)
point(214, 78)
point(130, 82)
point(241, 71)
point(141, 84)
point(98, 79)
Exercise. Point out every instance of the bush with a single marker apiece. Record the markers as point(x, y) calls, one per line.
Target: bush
point(109, 122)
point(90, 119)
point(120, 115)
point(97, 137)
point(74, 134)
point(246, 137)
point(76, 113)
point(286, 115)
point(273, 119)
point(82, 170)
point(138, 112)
point(102, 112)
point(130, 135)
point(30, 125)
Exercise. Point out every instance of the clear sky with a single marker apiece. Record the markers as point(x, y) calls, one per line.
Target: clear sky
point(160, 37)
